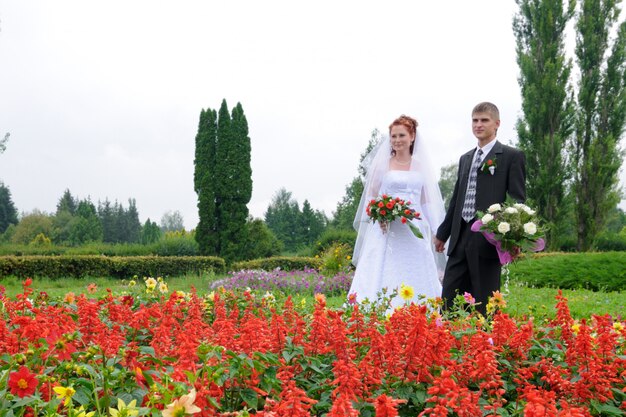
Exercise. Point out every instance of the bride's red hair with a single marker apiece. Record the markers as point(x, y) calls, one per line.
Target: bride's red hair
point(406, 121)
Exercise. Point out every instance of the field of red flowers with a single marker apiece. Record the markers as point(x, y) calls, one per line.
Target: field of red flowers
point(240, 353)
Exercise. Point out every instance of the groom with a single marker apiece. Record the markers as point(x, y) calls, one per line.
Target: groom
point(473, 265)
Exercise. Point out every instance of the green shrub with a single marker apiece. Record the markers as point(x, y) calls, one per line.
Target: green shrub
point(592, 270)
point(334, 236)
point(283, 262)
point(40, 240)
point(106, 266)
point(179, 243)
point(335, 259)
point(611, 241)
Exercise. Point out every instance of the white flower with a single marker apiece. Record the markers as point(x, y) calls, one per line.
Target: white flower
point(529, 211)
point(494, 207)
point(504, 227)
point(520, 206)
point(151, 283)
point(487, 218)
point(530, 228)
point(511, 210)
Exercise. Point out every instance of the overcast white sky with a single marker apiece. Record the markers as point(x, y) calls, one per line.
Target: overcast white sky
point(103, 98)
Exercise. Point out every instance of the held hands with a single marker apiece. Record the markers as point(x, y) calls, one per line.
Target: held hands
point(439, 245)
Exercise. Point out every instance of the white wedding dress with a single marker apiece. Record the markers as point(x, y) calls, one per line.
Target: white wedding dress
point(397, 257)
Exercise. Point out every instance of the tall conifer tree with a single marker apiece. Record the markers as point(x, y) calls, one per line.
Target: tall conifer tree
point(547, 104)
point(601, 116)
point(204, 183)
point(234, 179)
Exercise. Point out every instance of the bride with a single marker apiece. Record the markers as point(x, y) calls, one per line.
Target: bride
point(391, 256)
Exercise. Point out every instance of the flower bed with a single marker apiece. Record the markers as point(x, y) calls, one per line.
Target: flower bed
point(240, 353)
point(308, 281)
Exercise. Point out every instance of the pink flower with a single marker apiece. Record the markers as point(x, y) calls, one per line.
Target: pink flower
point(183, 405)
point(469, 298)
point(352, 299)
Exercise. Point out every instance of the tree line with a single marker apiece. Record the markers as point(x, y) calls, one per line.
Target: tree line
point(572, 122)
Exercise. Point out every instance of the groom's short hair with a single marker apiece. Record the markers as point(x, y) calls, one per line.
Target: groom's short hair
point(486, 107)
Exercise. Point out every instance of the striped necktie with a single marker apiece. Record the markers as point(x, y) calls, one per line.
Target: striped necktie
point(469, 206)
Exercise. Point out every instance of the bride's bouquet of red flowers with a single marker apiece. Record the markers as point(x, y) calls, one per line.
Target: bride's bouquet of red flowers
point(386, 209)
point(512, 229)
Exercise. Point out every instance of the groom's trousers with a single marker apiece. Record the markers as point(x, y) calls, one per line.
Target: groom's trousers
point(471, 269)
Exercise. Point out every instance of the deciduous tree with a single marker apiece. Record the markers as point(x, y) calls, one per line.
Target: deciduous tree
point(547, 103)
point(343, 217)
point(601, 115)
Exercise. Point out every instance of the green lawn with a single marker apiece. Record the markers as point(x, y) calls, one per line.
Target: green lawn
point(522, 300)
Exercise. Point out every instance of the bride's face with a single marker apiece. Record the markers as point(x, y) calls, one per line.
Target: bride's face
point(401, 139)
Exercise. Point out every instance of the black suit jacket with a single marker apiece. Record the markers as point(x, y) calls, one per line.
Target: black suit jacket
point(509, 178)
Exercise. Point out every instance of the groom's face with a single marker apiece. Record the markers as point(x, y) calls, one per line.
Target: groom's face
point(484, 126)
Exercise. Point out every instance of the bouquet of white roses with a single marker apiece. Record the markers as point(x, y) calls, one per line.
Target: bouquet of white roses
point(512, 229)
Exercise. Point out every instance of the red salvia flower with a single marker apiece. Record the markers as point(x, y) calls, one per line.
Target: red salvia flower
point(386, 406)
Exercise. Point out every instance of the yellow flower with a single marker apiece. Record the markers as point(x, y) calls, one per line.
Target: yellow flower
point(163, 287)
point(82, 413)
point(576, 328)
point(618, 326)
point(303, 302)
point(65, 393)
point(182, 406)
point(348, 257)
point(132, 283)
point(123, 409)
point(496, 301)
point(406, 292)
point(269, 297)
point(211, 296)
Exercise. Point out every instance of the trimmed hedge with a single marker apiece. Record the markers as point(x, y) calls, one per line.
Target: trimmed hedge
point(107, 266)
point(591, 270)
point(285, 263)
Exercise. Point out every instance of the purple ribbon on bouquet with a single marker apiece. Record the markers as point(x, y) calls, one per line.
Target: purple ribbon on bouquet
point(505, 256)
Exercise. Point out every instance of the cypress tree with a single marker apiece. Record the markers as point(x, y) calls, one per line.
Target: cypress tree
point(233, 179)
point(547, 104)
point(204, 183)
point(601, 116)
